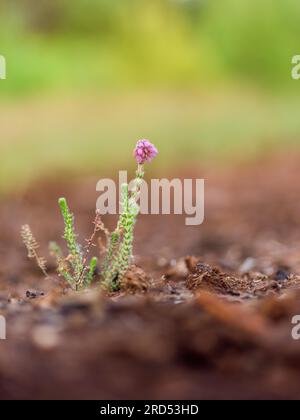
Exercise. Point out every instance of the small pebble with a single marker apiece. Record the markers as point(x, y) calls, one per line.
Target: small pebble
point(162, 262)
point(281, 275)
point(248, 265)
point(45, 337)
point(33, 295)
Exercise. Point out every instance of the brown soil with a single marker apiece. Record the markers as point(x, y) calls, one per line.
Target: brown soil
point(205, 313)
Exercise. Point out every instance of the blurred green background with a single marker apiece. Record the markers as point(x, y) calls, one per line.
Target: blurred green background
point(205, 80)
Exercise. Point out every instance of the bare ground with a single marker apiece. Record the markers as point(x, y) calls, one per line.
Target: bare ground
point(213, 320)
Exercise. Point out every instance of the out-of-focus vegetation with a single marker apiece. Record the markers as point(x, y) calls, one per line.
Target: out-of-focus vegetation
point(210, 78)
point(108, 44)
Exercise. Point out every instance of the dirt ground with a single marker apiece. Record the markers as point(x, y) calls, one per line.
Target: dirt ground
point(214, 319)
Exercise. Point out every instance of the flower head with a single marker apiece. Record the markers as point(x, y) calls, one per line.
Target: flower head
point(144, 151)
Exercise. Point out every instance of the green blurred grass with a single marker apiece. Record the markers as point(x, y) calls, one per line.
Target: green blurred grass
point(57, 45)
point(91, 134)
point(206, 81)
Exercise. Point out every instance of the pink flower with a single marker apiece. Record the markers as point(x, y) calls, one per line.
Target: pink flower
point(144, 151)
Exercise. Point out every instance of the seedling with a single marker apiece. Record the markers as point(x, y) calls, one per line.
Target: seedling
point(77, 268)
point(32, 247)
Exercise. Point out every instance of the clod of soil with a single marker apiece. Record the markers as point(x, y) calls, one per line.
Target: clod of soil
point(135, 280)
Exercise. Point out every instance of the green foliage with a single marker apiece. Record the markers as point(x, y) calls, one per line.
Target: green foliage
point(254, 40)
point(113, 246)
point(91, 271)
point(76, 256)
point(119, 254)
point(120, 247)
point(57, 44)
point(75, 268)
point(128, 218)
point(62, 265)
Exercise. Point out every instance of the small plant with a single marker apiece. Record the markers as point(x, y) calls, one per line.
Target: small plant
point(77, 268)
point(119, 255)
point(32, 246)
